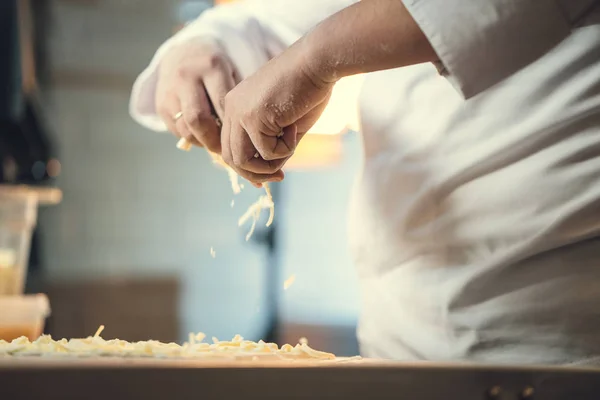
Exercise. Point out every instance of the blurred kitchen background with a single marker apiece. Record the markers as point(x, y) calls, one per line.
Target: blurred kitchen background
point(129, 244)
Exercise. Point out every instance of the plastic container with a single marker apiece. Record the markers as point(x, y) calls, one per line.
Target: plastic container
point(18, 217)
point(23, 316)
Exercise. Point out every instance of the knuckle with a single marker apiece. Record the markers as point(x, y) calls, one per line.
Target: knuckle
point(194, 118)
point(247, 118)
point(214, 61)
point(182, 72)
point(271, 120)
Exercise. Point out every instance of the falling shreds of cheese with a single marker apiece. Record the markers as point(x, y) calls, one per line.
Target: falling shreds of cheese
point(289, 282)
point(233, 176)
point(236, 348)
point(254, 211)
point(184, 144)
point(264, 202)
point(213, 253)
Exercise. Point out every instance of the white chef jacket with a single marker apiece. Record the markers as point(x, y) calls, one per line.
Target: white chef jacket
point(474, 223)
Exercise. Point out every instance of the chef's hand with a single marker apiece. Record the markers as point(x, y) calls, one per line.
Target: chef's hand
point(186, 73)
point(268, 113)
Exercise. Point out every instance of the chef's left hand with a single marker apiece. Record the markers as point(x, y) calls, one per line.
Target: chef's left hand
point(268, 113)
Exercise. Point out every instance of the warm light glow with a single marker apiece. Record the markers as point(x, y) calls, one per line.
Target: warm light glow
point(323, 146)
point(341, 112)
point(316, 152)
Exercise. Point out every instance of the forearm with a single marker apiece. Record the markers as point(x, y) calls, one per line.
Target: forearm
point(371, 35)
point(478, 43)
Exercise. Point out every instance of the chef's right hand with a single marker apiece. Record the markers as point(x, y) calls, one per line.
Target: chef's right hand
point(184, 73)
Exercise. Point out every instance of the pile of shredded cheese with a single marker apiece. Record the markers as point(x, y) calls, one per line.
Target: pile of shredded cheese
point(95, 346)
point(254, 211)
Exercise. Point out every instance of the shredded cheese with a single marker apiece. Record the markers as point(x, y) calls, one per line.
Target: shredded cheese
point(289, 282)
point(195, 347)
point(213, 253)
point(233, 176)
point(184, 144)
point(99, 331)
point(254, 211)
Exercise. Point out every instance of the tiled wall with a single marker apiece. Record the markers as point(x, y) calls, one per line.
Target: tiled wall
point(134, 204)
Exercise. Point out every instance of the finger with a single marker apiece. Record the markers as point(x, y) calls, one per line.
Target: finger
point(260, 178)
point(228, 156)
point(218, 83)
point(184, 131)
point(167, 107)
point(260, 166)
point(288, 140)
point(272, 146)
point(242, 149)
point(245, 156)
point(226, 153)
point(196, 113)
point(295, 125)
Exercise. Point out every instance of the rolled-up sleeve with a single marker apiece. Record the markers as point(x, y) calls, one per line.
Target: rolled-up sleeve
point(482, 42)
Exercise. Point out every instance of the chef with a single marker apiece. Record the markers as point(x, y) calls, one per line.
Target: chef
point(475, 220)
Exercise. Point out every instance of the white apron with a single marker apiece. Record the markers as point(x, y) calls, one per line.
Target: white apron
point(474, 225)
